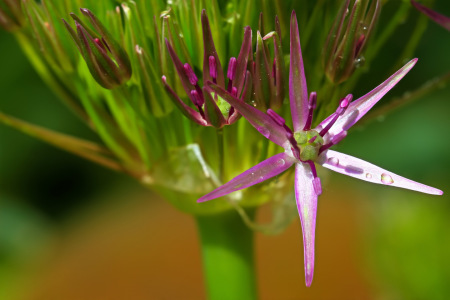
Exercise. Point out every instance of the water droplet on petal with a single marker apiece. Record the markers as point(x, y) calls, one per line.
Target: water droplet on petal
point(368, 176)
point(386, 179)
point(280, 162)
point(333, 161)
point(261, 178)
point(264, 131)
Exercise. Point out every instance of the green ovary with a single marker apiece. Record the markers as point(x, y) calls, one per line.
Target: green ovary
point(308, 151)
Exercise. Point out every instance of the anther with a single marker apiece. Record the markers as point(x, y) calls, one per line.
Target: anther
point(343, 105)
point(234, 92)
point(231, 72)
point(213, 68)
point(190, 74)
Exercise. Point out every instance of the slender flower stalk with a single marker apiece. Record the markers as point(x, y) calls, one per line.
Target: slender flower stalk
point(305, 147)
point(440, 19)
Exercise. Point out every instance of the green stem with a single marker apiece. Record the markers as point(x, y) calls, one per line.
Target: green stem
point(227, 250)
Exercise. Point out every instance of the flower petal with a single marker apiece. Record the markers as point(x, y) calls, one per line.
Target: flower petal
point(262, 122)
point(298, 91)
point(358, 108)
point(264, 170)
point(307, 208)
point(358, 168)
point(442, 20)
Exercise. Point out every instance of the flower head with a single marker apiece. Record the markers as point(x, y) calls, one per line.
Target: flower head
point(106, 59)
point(211, 111)
point(442, 20)
point(304, 147)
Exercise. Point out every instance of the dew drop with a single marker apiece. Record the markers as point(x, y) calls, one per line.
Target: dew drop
point(261, 178)
point(280, 162)
point(386, 179)
point(265, 132)
point(333, 161)
point(368, 176)
point(359, 62)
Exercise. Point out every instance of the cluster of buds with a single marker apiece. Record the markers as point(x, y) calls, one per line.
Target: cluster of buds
point(11, 16)
point(347, 38)
point(211, 110)
point(106, 59)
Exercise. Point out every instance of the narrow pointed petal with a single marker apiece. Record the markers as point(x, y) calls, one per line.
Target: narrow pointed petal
point(358, 108)
point(188, 87)
point(242, 60)
point(210, 50)
point(306, 198)
point(442, 20)
point(267, 169)
point(262, 122)
point(185, 109)
point(298, 91)
point(358, 168)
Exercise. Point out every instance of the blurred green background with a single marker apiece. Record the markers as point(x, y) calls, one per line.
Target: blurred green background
point(72, 230)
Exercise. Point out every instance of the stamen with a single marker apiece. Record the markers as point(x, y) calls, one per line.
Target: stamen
point(311, 106)
point(213, 68)
point(339, 112)
point(232, 68)
point(234, 92)
point(334, 140)
point(98, 42)
point(359, 43)
point(196, 98)
point(190, 74)
point(231, 72)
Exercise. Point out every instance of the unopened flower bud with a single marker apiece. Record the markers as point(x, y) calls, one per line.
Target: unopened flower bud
point(106, 59)
point(346, 40)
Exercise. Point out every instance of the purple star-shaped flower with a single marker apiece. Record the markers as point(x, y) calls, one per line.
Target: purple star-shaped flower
point(305, 146)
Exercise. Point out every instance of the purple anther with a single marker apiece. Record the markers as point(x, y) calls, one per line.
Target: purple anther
point(190, 74)
point(196, 98)
point(334, 141)
point(232, 68)
point(317, 186)
point(213, 68)
point(234, 92)
point(339, 111)
point(276, 117)
point(311, 106)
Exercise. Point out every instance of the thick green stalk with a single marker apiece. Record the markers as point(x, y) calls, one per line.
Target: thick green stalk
point(227, 250)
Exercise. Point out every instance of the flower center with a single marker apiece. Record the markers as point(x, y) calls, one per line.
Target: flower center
point(309, 143)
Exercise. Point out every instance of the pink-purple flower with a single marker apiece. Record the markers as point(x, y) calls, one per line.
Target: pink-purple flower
point(304, 147)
